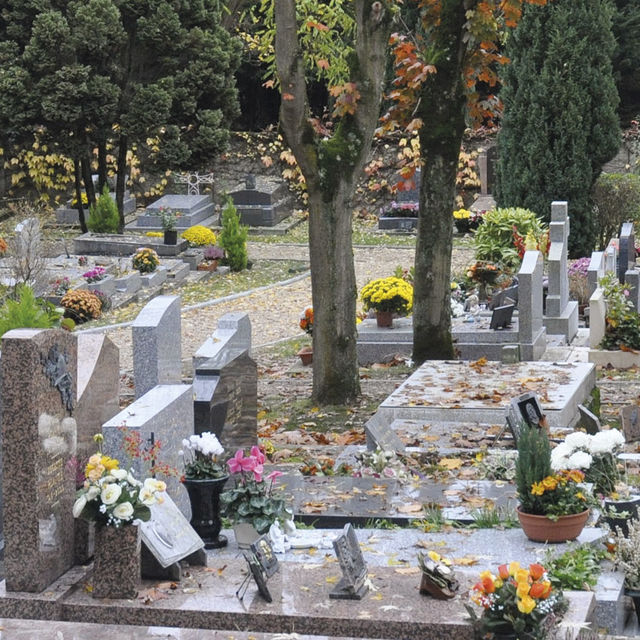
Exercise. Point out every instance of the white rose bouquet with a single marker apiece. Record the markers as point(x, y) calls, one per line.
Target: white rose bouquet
point(200, 454)
point(595, 455)
point(112, 496)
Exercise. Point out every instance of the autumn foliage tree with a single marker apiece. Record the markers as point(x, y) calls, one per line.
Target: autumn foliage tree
point(447, 51)
point(331, 161)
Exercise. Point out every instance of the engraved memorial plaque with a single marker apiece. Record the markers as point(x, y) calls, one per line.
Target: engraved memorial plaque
point(353, 585)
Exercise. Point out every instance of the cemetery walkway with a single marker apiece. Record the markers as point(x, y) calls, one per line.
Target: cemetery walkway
point(275, 311)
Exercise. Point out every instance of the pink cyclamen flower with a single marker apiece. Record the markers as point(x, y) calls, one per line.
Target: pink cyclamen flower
point(257, 472)
point(273, 475)
point(257, 454)
point(239, 463)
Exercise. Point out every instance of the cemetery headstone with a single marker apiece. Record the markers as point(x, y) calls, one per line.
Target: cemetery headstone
point(402, 213)
point(225, 385)
point(632, 279)
point(588, 420)
point(611, 256)
point(352, 585)
point(380, 435)
point(263, 201)
point(630, 419)
point(524, 410)
point(508, 295)
point(501, 317)
point(561, 315)
point(193, 181)
point(626, 250)
point(39, 444)
point(192, 210)
point(597, 315)
point(165, 415)
point(262, 564)
point(531, 332)
point(157, 354)
point(595, 271)
point(168, 537)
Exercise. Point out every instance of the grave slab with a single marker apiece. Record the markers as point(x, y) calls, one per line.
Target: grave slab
point(69, 214)
point(457, 391)
point(114, 244)
point(192, 210)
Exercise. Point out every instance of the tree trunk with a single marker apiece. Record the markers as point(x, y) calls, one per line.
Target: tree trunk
point(330, 167)
point(442, 109)
point(85, 166)
point(77, 174)
point(120, 176)
point(102, 164)
point(333, 284)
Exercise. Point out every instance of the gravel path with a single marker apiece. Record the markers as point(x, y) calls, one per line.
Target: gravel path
point(275, 312)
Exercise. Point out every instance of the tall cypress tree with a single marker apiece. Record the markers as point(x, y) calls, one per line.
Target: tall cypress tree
point(560, 124)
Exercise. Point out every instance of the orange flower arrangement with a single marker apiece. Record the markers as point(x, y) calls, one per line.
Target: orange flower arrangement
point(517, 600)
point(306, 320)
point(559, 494)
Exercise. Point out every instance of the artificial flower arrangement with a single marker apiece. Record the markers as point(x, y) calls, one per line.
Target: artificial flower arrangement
point(306, 320)
point(466, 220)
point(251, 498)
point(540, 491)
point(516, 601)
point(388, 294)
point(145, 260)
point(593, 454)
point(111, 496)
point(483, 272)
point(380, 464)
point(201, 457)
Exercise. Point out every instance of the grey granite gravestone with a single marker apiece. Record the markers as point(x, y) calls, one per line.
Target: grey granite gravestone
point(524, 410)
point(402, 213)
point(168, 536)
point(588, 421)
point(225, 384)
point(630, 420)
point(39, 443)
point(508, 295)
point(611, 256)
point(626, 250)
point(264, 202)
point(595, 271)
point(162, 415)
point(352, 585)
point(597, 318)
point(531, 332)
point(561, 317)
point(157, 353)
point(381, 435)
point(192, 210)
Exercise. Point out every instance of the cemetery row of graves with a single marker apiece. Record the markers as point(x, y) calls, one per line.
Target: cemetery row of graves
point(156, 460)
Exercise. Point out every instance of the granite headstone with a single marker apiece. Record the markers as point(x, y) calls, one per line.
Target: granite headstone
point(39, 445)
point(630, 420)
point(353, 584)
point(588, 421)
point(626, 250)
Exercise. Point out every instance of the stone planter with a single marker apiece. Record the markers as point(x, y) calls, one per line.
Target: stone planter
point(116, 565)
point(204, 496)
point(542, 529)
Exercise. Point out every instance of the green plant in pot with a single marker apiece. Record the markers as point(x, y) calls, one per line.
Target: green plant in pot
point(250, 501)
point(387, 296)
point(204, 479)
point(553, 506)
point(169, 220)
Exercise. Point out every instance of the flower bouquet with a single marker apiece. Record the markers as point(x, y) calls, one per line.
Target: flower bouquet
point(517, 601)
point(145, 260)
point(251, 498)
point(484, 272)
point(306, 320)
point(553, 506)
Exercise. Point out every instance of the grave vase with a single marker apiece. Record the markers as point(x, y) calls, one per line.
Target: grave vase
point(116, 565)
point(204, 496)
point(543, 529)
point(171, 236)
point(617, 513)
point(384, 319)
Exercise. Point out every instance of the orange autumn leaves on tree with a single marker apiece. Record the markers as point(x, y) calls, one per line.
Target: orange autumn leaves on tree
point(416, 57)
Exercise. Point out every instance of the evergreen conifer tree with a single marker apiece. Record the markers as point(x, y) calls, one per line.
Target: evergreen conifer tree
point(560, 124)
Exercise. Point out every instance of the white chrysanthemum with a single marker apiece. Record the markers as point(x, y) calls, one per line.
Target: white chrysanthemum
point(79, 505)
point(123, 511)
point(560, 463)
point(578, 440)
point(561, 452)
point(111, 493)
point(606, 441)
point(580, 460)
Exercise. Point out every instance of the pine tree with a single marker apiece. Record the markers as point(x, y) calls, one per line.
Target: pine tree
point(560, 124)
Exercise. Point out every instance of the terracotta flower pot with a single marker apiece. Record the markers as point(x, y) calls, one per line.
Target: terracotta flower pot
point(543, 529)
point(116, 565)
point(384, 319)
point(306, 356)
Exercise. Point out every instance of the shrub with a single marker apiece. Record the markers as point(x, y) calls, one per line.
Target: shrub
point(212, 252)
point(103, 217)
point(494, 239)
point(616, 199)
point(145, 260)
point(26, 312)
point(622, 320)
point(81, 305)
point(199, 236)
point(532, 465)
point(234, 238)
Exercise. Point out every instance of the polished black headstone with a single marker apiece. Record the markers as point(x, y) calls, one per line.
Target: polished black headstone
point(501, 317)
